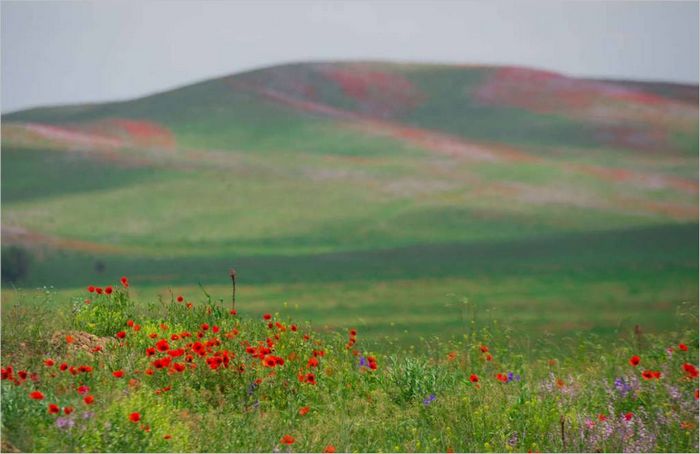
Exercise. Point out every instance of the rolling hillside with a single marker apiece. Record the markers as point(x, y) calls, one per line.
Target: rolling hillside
point(376, 194)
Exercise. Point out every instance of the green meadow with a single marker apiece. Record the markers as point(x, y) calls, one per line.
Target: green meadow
point(370, 195)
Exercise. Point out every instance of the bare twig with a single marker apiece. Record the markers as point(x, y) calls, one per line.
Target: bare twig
point(563, 437)
point(232, 273)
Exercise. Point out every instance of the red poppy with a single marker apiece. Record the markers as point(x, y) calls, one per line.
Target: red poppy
point(162, 345)
point(23, 374)
point(69, 339)
point(91, 288)
point(489, 357)
point(49, 362)
point(310, 378)
point(98, 290)
point(188, 305)
point(36, 395)
point(204, 326)
point(121, 335)
point(177, 352)
point(125, 281)
point(63, 367)
point(329, 449)
point(269, 361)
point(233, 312)
point(267, 317)
point(108, 290)
point(137, 327)
point(287, 440)
point(180, 299)
point(215, 329)
point(88, 399)
point(130, 323)
point(167, 436)
point(68, 410)
point(634, 361)
point(602, 417)
point(683, 347)
point(483, 348)
point(656, 374)
point(149, 372)
point(353, 332)
point(647, 375)
point(313, 362)
point(691, 370)
point(502, 377)
point(179, 367)
point(7, 373)
point(473, 378)
point(304, 410)
point(118, 373)
point(293, 327)
point(135, 417)
point(54, 409)
point(150, 351)
point(628, 415)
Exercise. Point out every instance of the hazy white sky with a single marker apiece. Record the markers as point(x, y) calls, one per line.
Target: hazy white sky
point(70, 52)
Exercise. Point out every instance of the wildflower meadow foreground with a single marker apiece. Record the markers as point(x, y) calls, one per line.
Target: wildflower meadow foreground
point(105, 373)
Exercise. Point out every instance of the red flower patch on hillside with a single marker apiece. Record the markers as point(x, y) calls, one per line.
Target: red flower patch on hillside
point(378, 93)
point(627, 117)
point(133, 133)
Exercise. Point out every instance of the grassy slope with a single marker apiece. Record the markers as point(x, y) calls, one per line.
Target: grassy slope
point(304, 203)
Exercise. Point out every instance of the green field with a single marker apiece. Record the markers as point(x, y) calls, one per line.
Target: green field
point(373, 195)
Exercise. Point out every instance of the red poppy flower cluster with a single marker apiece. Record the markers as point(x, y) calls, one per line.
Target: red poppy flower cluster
point(352, 339)
point(8, 373)
point(651, 375)
point(372, 362)
point(99, 290)
point(272, 361)
point(309, 378)
point(485, 353)
point(503, 378)
point(690, 370)
point(634, 361)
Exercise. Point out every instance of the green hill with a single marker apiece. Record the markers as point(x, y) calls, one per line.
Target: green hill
point(371, 193)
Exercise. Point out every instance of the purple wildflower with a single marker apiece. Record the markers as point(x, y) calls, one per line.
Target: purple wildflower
point(622, 387)
point(64, 423)
point(363, 362)
point(251, 388)
point(428, 400)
